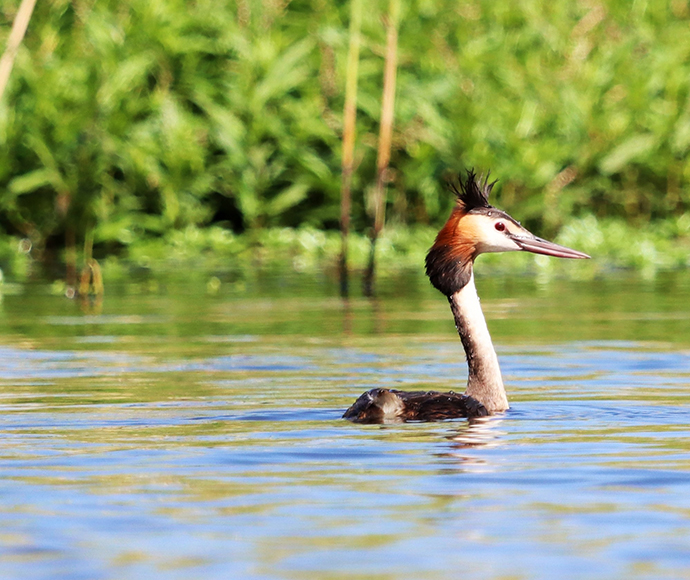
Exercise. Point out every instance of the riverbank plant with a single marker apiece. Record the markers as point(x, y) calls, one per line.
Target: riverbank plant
point(132, 124)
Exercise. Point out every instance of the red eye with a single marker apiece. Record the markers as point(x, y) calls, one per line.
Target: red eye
point(500, 226)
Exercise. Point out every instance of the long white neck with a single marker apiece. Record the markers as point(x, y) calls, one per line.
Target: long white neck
point(484, 383)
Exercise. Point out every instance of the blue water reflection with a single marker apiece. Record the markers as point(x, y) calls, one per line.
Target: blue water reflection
point(166, 452)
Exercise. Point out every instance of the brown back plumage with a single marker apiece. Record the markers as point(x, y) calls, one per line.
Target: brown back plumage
point(413, 406)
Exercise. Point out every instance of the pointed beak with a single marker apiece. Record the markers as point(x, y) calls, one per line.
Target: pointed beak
point(538, 246)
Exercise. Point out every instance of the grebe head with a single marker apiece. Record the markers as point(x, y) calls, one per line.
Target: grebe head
point(475, 227)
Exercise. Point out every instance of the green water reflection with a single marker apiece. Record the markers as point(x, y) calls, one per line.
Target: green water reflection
point(616, 308)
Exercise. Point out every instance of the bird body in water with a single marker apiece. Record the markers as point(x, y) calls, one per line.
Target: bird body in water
point(474, 227)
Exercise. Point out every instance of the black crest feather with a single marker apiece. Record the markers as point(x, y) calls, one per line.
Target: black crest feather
point(474, 192)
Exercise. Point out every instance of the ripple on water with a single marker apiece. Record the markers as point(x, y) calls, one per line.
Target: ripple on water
point(125, 464)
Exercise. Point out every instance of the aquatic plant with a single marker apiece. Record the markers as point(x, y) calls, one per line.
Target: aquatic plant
point(134, 121)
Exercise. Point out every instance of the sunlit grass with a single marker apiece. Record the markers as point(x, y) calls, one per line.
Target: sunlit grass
point(612, 244)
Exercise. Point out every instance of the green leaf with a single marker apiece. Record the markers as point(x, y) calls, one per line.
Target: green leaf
point(285, 74)
point(626, 152)
point(287, 198)
point(34, 180)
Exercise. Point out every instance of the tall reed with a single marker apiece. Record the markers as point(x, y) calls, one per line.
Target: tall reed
point(350, 116)
point(385, 135)
point(19, 26)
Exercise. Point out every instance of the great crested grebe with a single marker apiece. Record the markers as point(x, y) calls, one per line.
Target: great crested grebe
point(474, 227)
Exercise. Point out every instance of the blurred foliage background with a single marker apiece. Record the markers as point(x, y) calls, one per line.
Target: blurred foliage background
point(127, 123)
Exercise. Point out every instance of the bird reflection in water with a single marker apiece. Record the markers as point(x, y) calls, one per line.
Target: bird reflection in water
point(479, 432)
point(466, 445)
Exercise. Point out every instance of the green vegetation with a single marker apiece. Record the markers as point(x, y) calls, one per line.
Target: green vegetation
point(146, 125)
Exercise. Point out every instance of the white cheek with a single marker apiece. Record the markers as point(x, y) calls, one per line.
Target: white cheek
point(495, 241)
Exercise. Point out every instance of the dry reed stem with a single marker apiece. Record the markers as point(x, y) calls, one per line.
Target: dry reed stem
point(19, 26)
point(385, 136)
point(350, 115)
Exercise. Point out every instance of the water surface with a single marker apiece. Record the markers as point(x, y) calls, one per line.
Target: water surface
point(171, 434)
